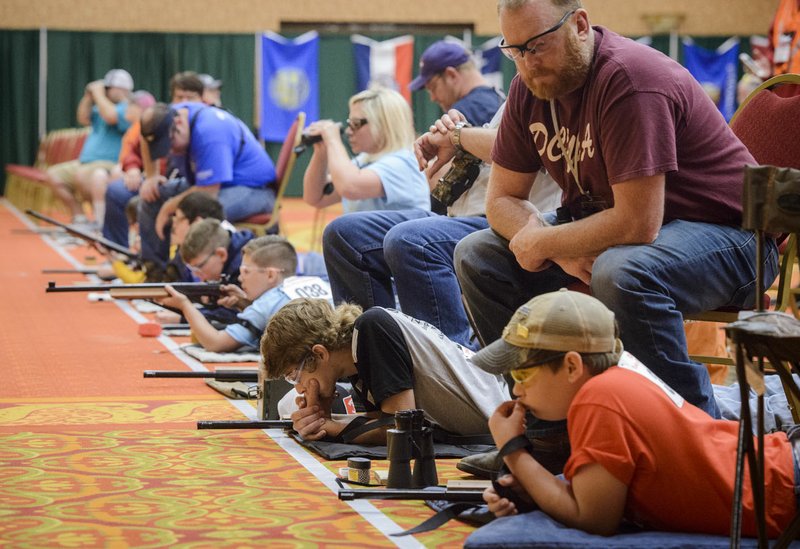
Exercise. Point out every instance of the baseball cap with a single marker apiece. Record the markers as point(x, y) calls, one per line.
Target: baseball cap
point(209, 82)
point(555, 321)
point(156, 130)
point(436, 58)
point(143, 98)
point(118, 78)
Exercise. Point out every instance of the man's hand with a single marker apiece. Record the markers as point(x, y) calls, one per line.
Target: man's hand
point(507, 422)
point(95, 87)
point(579, 267)
point(164, 216)
point(132, 179)
point(149, 189)
point(436, 142)
point(524, 246)
point(233, 297)
point(503, 507)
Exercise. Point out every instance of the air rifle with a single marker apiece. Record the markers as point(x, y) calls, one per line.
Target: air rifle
point(268, 394)
point(436, 493)
point(85, 235)
point(250, 375)
point(246, 424)
point(145, 290)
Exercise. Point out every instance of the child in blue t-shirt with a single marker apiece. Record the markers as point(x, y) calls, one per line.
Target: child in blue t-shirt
point(265, 288)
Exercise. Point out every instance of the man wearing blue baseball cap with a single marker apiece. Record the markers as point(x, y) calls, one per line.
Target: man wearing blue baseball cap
point(453, 81)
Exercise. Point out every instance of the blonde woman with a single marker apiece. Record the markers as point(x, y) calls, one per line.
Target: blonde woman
point(384, 174)
point(393, 361)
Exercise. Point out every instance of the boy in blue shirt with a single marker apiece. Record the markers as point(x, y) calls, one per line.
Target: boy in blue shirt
point(265, 264)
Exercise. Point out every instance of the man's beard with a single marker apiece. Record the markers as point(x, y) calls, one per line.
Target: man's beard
point(569, 77)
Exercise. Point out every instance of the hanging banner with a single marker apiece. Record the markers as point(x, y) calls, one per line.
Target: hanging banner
point(488, 58)
point(716, 70)
point(388, 63)
point(289, 82)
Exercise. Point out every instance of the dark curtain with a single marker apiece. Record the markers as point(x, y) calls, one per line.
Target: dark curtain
point(19, 82)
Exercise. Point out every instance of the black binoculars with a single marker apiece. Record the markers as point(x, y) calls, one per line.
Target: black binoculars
point(307, 140)
point(411, 438)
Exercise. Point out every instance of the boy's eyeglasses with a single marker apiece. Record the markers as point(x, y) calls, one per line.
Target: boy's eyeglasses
point(197, 268)
point(529, 370)
point(514, 52)
point(293, 376)
point(355, 124)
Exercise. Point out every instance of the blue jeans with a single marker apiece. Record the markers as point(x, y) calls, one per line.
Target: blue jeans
point(238, 202)
point(691, 267)
point(365, 252)
point(115, 224)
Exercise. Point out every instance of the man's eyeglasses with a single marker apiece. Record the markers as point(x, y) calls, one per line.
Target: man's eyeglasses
point(515, 52)
point(355, 124)
point(529, 370)
point(197, 268)
point(293, 376)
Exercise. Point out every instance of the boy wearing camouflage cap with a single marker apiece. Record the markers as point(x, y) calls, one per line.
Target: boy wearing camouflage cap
point(639, 450)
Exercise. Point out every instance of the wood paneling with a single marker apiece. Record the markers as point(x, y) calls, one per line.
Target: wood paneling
point(707, 18)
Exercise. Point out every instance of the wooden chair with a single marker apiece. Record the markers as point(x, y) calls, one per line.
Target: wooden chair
point(767, 123)
point(267, 223)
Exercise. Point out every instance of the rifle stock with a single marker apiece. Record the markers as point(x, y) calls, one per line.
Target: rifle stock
point(85, 235)
point(435, 494)
point(146, 290)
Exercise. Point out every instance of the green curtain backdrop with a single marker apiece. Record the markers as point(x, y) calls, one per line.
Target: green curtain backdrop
point(75, 58)
point(19, 81)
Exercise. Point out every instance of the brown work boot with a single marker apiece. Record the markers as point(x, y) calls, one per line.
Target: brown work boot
point(551, 452)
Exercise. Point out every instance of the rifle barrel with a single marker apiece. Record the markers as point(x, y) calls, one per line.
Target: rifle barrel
point(80, 233)
point(144, 290)
point(69, 271)
point(409, 494)
point(246, 424)
point(219, 375)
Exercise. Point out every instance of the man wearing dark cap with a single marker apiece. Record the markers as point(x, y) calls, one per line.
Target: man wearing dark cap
point(640, 451)
point(453, 81)
point(222, 158)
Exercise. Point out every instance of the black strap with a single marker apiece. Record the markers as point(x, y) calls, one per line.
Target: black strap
point(361, 425)
point(517, 443)
point(447, 513)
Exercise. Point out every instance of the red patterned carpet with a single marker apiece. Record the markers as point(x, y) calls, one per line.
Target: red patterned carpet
point(93, 455)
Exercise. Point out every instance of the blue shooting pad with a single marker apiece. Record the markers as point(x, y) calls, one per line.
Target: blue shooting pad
point(536, 529)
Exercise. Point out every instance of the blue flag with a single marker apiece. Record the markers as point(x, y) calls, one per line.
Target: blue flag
point(716, 70)
point(289, 82)
point(488, 57)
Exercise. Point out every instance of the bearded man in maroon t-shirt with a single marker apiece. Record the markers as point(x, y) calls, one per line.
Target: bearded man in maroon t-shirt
point(652, 179)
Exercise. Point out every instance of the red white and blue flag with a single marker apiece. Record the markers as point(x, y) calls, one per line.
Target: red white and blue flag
point(388, 63)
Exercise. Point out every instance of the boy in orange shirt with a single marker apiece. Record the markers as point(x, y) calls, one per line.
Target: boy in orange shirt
point(639, 450)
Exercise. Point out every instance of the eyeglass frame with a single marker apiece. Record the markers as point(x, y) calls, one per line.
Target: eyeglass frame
point(535, 365)
point(295, 372)
point(523, 48)
point(356, 124)
point(195, 269)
